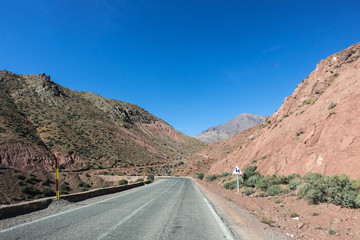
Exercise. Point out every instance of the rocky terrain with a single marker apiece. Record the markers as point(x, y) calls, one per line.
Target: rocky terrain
point(234, 126)
point(315, 130)
point(40, 119)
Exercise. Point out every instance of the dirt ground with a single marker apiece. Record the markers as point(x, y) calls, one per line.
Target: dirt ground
point(286, 215)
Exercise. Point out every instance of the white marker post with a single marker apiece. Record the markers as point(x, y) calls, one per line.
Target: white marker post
point(237, 172)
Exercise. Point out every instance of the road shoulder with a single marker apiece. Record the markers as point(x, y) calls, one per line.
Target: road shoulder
point(241, 223)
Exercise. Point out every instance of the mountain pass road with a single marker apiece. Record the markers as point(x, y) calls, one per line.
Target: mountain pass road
point(170, 208)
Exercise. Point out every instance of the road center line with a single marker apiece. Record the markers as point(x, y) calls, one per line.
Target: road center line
point(133, 214)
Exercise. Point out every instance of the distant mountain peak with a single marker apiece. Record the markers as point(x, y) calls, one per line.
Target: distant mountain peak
point(234, 126)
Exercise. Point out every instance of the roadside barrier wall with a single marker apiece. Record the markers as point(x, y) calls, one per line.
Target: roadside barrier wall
point(7, 211)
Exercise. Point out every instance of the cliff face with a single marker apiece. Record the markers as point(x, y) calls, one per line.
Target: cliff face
point(40, 119)
point(234, 126)
point(317, 128)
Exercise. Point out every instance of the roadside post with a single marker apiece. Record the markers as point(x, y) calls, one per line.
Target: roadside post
point(144, 177)
point(57, 177)
point(237, 172)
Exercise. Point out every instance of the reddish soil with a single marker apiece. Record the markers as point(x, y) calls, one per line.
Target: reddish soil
point(315, 130)
point(313, 222)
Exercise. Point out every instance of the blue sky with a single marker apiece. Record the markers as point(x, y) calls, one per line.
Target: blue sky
point(194, 64)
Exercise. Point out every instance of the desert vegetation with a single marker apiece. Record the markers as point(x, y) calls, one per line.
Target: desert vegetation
point(315, 188)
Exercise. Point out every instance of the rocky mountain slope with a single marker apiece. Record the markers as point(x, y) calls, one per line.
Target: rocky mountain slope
point(40, 119)
point(230, 128)
point(315, 130)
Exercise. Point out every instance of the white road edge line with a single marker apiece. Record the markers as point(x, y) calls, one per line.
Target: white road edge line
point(225, 230)
point(61, 213)
point(219, 221)
point(132, 214)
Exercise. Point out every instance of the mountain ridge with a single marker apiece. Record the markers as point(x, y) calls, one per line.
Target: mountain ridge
point(234, 126)
point(40, 119)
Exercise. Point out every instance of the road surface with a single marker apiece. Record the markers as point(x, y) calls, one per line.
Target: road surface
point(171, 208)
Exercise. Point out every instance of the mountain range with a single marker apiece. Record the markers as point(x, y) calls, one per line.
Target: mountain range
point(230, 128)
point(40, 119)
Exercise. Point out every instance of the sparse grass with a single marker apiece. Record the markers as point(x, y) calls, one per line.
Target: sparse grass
point(291, 213)
point(46, 182)
point(211, 178)
point(150, 177)
point(332, 105)
point(64, 188)
point(200, 175)
point(248, 191)
point(123, 182)
point(230, 185)
point(310, 101)
point(299, 133)
point(224, 174)
point(267, 220)
point(332, 231)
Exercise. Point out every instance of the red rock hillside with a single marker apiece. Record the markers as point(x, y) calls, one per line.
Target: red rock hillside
point(317, 129)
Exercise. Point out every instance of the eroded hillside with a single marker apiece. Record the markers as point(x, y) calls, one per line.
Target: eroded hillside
point(315, 130)
point(40, 119)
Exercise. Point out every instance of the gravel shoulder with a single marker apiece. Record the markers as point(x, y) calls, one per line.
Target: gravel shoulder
point(242, 224)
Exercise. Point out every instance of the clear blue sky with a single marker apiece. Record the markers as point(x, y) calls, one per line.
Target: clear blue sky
point(194, 64)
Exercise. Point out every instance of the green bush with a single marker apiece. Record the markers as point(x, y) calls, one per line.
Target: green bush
point(338, 187)
point(46, 182)
point(349, 200)
point(123, 182)
point(225, 174)
point(64, 188)
point(82, 184)
point(249, 172)
point(200, 175)
point(251, 182)
point(357, 200)
point(139, 180)
point(230, 185)
point(47, 192)
point(31, 190)
point(248, 191)
point(150, 177)
point(211, 178)
point(18, 176)
point(274, 190)
point(294, 176)
point(294, 184)
point(20, 183)
point(332, 105)
point(265, 182)
point(283, 179)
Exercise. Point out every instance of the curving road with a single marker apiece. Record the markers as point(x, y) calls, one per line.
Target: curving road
point(171, 208)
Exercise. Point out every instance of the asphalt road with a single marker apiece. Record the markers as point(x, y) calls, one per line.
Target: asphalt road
point(171, 208)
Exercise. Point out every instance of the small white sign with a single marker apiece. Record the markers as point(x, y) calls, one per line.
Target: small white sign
point(237, 171)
